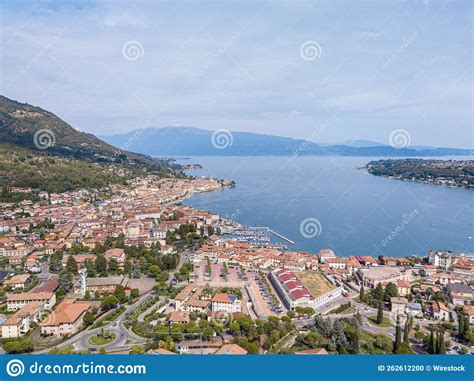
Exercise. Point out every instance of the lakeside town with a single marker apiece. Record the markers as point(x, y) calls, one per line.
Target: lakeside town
point(138, 272)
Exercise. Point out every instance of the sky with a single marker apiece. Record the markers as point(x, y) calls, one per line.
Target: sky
point(346, 69)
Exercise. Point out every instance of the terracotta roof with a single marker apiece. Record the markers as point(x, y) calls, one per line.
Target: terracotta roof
point(231, 349)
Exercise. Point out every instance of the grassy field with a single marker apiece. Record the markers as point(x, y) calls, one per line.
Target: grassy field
point(99, 340)
point(316, 283)
point(385, 323)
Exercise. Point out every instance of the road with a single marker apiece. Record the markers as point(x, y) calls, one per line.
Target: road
point(123, 335)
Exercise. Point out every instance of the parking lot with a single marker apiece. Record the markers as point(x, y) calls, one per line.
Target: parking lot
point(217, 277)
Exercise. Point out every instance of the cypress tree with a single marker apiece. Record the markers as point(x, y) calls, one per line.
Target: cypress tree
point(398, 336)
point(380, 314)
point(406, 330)
point(441, 343)
point(362, 294)
point(432, 342)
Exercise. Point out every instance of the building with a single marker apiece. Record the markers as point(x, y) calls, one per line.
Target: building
point(440, 311)
point(470, 313)
point(372, 276)
point(18, 281)
point(460, 293)
point(117, 254)
point(294, 294)
point(231, 349)
point(101, 285)
point(441, 259)
point(17, 301)
point(20, 322)
point(226, 303)
point(413, 309)
point(325, 254)
point(398, 305)
point(179, 317)
point(66, 319)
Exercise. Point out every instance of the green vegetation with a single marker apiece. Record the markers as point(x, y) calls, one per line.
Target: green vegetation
point(16, 346)
point(385, 322)
point(102, 338)
point(454, 173)
point(109, 317)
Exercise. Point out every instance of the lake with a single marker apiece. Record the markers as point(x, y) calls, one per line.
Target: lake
point(326, 202)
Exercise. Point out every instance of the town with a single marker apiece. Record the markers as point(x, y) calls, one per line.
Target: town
point(136, 271)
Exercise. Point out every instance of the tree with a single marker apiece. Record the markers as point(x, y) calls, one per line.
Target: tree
point(88, 318)
point(101, 265)
point(356, 341)
point(137, 350)
point(362, 294)
point(441, 343)
point(379, 292)
point(432, 342)
point(113, 266)
point(120, 293)
point(134, 293)
point(391, 291)
point(398, 336)
point(380, 314)
point(109, 302)
point(127, 267)
point(404, 349)
point(90, 266)
point(406, 330)
point(71, 265)
point(18, 346)
point(383, 342)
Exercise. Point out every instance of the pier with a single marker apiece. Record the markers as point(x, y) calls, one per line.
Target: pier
point(281, 236)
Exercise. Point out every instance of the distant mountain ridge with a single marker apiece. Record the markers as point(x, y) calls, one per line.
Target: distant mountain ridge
point(192, 141)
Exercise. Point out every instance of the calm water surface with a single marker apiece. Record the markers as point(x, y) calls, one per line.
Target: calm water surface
point(356, 212)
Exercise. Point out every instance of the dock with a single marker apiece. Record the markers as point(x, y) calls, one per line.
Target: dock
point(281, 236)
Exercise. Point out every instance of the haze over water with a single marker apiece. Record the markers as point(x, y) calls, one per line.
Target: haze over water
point(357, 211)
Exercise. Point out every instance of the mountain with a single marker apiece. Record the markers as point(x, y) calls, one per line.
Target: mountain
point(191, 141)
point(361, 143)
point(39, 130)
point(40, 151)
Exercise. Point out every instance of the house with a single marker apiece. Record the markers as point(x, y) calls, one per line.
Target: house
point(17, 301)
point(413, 309)
point(117, 254)
point(227, 303)
point(20, 322)
point(105, 284)
point(179, 317)
point(460, 293)
point(315, 351)
point(441, 259)
point(404, 288)
point(66, 319)
point(440, 311)
point(325, 254)
point(231, 349)
point(398, 305)
point(470, 313)
point(79, 258)
point(18, 281)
